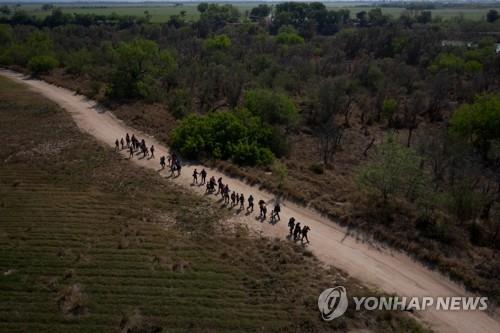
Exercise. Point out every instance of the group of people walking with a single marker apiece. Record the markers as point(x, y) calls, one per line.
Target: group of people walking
point(135, 145)
point(213, 186)
point(297, 232)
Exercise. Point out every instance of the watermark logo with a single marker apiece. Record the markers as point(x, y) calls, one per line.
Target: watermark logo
point(333, 303)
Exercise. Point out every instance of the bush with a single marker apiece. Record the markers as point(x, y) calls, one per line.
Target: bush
point(236, 136)
point(220, 42)
point(273, 108)
point(289, 38)
point(42, 64)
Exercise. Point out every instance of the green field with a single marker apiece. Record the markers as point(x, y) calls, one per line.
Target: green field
point(161, 13)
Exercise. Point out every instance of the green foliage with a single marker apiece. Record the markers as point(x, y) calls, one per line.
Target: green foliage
point(389, 108)
point(236, 136)
point(447, 62)
point(462, 201)
point(280, 172)
point(140, 69)
point(219, 42)
point(394, 170)
point(20, 53)
point(273, 108)
point(289, 38)
point(215, 16)
point(42, 64)
point(179, 103)
point(260, 12)
point(5, 36)
point(478, 122)
point(78, 62)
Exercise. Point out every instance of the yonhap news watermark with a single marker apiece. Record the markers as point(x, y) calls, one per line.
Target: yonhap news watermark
point(333, 303)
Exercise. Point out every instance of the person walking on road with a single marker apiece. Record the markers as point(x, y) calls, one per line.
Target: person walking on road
point(291, 225)
point(131, 152)
point(233, 199)
point(203, 176)
point(242, 201)
point(276, 212)
point(296, 231)
point(195, 176)
point(123, 143)
point(117, 145)
point(305, 230)
point(127, 139)
point(152, 150)
point(250, 203)
point(162, 162)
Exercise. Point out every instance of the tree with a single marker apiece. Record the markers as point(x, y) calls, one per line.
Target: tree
point(394, 170)
point(492, 15)
point(78, 62)
point(479, 122)
point(42, 64)
point(219, 42)
point(141, 68)
point(260, 12)
point(5, 36)
point(389, 109)
point(5, 10)
point(273, 108)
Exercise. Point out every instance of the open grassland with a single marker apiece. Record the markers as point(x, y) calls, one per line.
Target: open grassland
point(161, 13)
point(89, 243)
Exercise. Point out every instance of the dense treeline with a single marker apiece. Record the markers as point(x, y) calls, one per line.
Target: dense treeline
point(279, 81)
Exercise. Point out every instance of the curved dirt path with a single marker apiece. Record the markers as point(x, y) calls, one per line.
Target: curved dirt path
point(388, 271)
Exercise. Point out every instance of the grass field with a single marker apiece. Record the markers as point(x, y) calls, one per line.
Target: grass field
point(90, 243)
point(161, 13)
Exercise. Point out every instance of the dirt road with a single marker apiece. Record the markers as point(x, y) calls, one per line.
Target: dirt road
point(386, 270)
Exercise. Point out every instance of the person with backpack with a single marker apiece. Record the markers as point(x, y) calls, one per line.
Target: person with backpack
point(296, 231)
point(305, 230)
point(261, 208)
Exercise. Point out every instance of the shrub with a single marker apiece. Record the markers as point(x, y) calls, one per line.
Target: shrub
point(219, 42)
point(42, 64)
point(236, 136)
point(289, 38)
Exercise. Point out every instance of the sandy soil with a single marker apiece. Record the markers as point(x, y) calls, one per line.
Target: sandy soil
point(378, 267)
